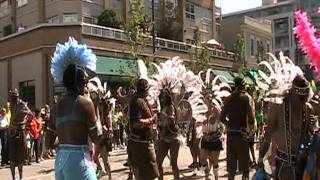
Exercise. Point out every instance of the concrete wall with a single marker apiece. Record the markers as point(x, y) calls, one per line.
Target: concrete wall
point(3, 82)
point(230, 27)
point(28, 15)
point(60, 7)
point(93, 9)
point(29, 67)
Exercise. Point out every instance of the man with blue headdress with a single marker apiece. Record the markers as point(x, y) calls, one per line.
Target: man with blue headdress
point(70, 66)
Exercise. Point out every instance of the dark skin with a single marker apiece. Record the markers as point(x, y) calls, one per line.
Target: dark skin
point(84, 111)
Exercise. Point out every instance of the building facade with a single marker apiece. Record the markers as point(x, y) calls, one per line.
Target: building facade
point(26, 66)
point(17, 15)
point(281, 15)
point(256, 34)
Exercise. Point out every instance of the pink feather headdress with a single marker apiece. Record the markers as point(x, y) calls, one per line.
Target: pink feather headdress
point(307, 35)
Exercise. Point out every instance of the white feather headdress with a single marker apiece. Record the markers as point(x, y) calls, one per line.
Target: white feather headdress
point(174, 76)
point(71, 53)
point(277, 77)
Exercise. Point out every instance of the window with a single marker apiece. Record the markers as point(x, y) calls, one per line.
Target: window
point(21, 3)
point(7, 30)
point(4, 8)
point(268, 46)
point(27, 92)
point(281, 26)
point(281, 42)
point(89, 20)
point(70, 18)
point(190, 11)
point(252, 47)
point(54, 20)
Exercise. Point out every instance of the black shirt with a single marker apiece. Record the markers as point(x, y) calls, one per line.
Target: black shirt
point(138, 108)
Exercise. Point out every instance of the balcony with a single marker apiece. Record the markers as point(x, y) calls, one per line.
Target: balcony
point(120, 35)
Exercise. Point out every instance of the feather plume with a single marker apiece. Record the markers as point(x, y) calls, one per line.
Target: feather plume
point(309, 42)
point(71, 53)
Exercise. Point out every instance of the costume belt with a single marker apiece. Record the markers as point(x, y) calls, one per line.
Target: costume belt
point(285, 157)
point(138, 140)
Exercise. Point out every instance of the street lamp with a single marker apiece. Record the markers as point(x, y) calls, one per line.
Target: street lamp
point(153, 31)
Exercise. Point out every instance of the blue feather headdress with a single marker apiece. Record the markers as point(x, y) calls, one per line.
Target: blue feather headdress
point(71, 53)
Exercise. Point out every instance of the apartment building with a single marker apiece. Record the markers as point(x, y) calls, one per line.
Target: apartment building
point(256, 34)
point(281, 15)
point(17, 15)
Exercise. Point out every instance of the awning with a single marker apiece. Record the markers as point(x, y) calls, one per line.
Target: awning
point(246, 78)
point(225, 74)
point(116, 67)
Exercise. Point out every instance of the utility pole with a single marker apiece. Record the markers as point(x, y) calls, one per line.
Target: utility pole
point(153, 31)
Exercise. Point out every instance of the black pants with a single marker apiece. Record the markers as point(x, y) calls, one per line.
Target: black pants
point(36, 148)
point(121, 131)
point(4, 146)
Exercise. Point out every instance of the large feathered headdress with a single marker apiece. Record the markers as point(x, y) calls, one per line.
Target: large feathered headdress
point(217, 87)
point(277, 76)
point(184, 86)
point(307, 36)
point(71, 53)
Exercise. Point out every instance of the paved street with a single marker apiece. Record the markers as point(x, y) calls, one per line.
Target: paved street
point(45, 171)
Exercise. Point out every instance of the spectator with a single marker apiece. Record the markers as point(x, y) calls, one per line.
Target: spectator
point(8, 112)
point(35, 128)
point(4, 137)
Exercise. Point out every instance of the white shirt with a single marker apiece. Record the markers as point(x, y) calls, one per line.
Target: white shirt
point(3, 122)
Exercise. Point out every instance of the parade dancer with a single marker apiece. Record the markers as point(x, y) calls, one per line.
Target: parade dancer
point(211, 141)
point(141, 152)
point(240, 126)
point(73, 118)
point(179, 93)
point(17, 132)
point(97, 92)
point(288, 119)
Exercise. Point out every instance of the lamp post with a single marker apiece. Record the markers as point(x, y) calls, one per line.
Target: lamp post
point(153, 31)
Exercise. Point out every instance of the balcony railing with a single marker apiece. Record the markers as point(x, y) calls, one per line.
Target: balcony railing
point(118, 34)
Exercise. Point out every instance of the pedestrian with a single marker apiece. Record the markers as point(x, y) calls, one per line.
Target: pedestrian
point(17, 132)
point(8, 112)
point(168, 139)
point(4, 124)
point(35, 128)
point(240, 125)
point(73, 118)
point(141, 152)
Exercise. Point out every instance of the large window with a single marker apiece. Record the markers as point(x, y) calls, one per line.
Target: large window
point(4, 8)
point(190, 11)
point(252, 46)
point(70, 18)
point(21, 3)
point(281, 26)
point(7, 30)
point(27, 92)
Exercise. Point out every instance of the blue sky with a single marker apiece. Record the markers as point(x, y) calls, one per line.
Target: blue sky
point(229, 6)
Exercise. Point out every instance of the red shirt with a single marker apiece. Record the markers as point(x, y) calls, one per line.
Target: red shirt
point(35, 127)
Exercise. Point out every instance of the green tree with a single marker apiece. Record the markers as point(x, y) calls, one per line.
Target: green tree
point(137, 28)
point(170, 28)
point(239, 50)
point(109, 18)
point(201, 55)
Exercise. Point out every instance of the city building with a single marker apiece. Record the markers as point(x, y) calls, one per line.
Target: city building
point(28, 13)
point(281, 15)
point(256, 34)
point(30, 29)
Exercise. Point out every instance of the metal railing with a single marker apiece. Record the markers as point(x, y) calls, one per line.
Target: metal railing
point(161, 43)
